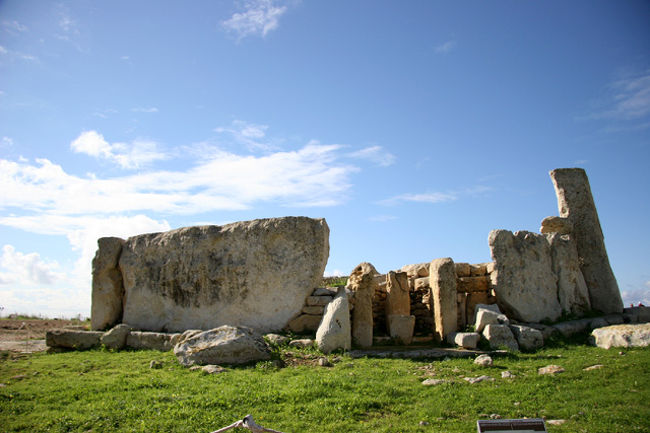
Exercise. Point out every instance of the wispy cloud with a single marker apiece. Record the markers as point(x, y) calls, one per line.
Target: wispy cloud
point(445, 47)
point(6, 142)
point(257, 18)
point(251, 135)
point(375, 154)
point(132, 155)
point(144, 109)
point(634, 294)
point(434, 197)
point(14, 27)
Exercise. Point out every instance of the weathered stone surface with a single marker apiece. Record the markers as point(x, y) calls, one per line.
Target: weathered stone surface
point(363, 284)
point(526, 286)
point(150, 340)
point(637, 335)
point(486, 317)
point(556, 224)
point(324, 291)
point(276, 339)
point(116, 337)
point(254, 273)
point(400, 327)
point(420, 283)
point(398, 300)
point(473, 284)
point(71, 339)
point(335, 331)
point(637, 314)
point(575, 202)
point(442, 278)
point(462, 269)
point(572, 289)
point(472, 301)
point(318, 300)
point(500, 336)
point(434, 382)
point(490, 307)
point(316, 310)
point(550, 369)
point(302, 343)
point(304, 323)
point(478, 270)
point(223, 345)
point(107, 288)
point(572, 327)
point(479, 379)
point(416, 270)
point(466, 340)
point(461, 310)
point(528, 338)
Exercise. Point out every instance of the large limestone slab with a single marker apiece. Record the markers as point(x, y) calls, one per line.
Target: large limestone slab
point(572, 289)
point(637, 335)
point(107, 289)
point(526, 286)
point(253, 273)
point(442, 278)
point(575, 202)
point(335, 331)
point(363, 284)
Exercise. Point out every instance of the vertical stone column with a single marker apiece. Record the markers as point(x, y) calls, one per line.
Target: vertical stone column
point(363, 284)
point(398, 300)
point(107, 288)
point(576, 203)
point(442, 279)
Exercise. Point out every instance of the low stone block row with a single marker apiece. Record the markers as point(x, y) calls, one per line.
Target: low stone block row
point(312, 312)
point(120, 337)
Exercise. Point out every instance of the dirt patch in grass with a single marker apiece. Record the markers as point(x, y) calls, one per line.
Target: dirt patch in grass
point(28, 335)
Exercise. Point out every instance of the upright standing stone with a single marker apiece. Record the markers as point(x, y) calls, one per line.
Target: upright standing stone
point(107, 288)
point(576, 203)
point(334, 330)
point(398, 300)
point(572, 289)
point(526, 286)
point(363, 284)
point(442, 278)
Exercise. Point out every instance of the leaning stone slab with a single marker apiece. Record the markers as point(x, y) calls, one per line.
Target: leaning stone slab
point(442, 278)
point(575, 202)
point(335, 331)
point(223, 345)
point(527, 338)
point(500, 336)
point(526, 286)
point(363, 284)
point(107, 288)
point(572, 289)
point(637, 335)
point(150, 340)
point(116, 337)
point(71, 339)
point(253, 273)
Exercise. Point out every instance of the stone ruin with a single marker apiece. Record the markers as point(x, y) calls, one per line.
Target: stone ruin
point(260, 275)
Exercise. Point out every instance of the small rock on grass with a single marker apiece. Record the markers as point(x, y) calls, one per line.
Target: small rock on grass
point(155, 364)
point(433, 382)
point(550, 369)
point(474, 380)
point(424, 423)
point(212, 369)
point(304, 342)
point(507, 375)
point(555, 421)
point(276, 339)
point(593, 367)
point(483, 360)
point(324, 362)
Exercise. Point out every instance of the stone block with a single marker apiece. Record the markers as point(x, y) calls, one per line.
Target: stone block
point(472, 301)
point(555, 224)
point(335, 330)
point(316, 310)
point(486, 317)
point(150, 341)
point(442, 278)
point(500, 336)
point(363, 284)
point(462, 269)
point(107, 288)
point(400, 327)
point(572, 289)
point(398, 300)
point(72, 339)
point(528, 338)
point(466, 340)
point(478, 270)
point(473, 284)
point(304, 323)
point(223, 345)
point(116, 337)
point(637, 335)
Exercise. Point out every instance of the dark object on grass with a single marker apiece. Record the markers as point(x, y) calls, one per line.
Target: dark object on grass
point(511, 425)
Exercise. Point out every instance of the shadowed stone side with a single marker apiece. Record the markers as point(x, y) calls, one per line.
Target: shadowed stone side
point(575, 202)
point(107, 288)
point(252, 273)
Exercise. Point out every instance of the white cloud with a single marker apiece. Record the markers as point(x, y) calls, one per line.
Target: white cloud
point(6, 142)
point(627, 100)
point(257, 18)
point(375, 154)
point(29, 268)
point(636, 294)
point(132, 155)
point(251, 135)
point(445, 47)
point(429, 197)
point(145, 109)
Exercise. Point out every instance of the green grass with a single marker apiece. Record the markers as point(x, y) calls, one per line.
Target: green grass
point(103, 391)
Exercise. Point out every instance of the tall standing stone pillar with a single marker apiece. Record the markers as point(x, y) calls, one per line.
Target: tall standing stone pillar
point(576, 203)
point(398, 307)
point(442, 279)
point(107, 288)
point(363, 284)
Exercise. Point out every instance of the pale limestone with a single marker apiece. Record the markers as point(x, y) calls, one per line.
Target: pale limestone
point(222, 345)
point(72, 339)
point(500, 336)
point(526, 286)
point(107, 287)
point(528, 338)
point(556, 224)
point(442, 278)
point(334, 331)
point(400, 327)
point(576, 203)
point(572, 289)
point(466, 340)
point(150, 340)
point(636, 335)
point(363, 284)
point(253, 273)
point(115, 338)
point(398, 300)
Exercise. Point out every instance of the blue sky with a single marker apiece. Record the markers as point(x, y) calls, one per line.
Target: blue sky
point(414, 128)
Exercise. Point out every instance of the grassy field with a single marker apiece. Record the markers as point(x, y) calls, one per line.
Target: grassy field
point(103, 391)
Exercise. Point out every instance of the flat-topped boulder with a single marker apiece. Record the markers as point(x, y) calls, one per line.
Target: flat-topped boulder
point(253, 273)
